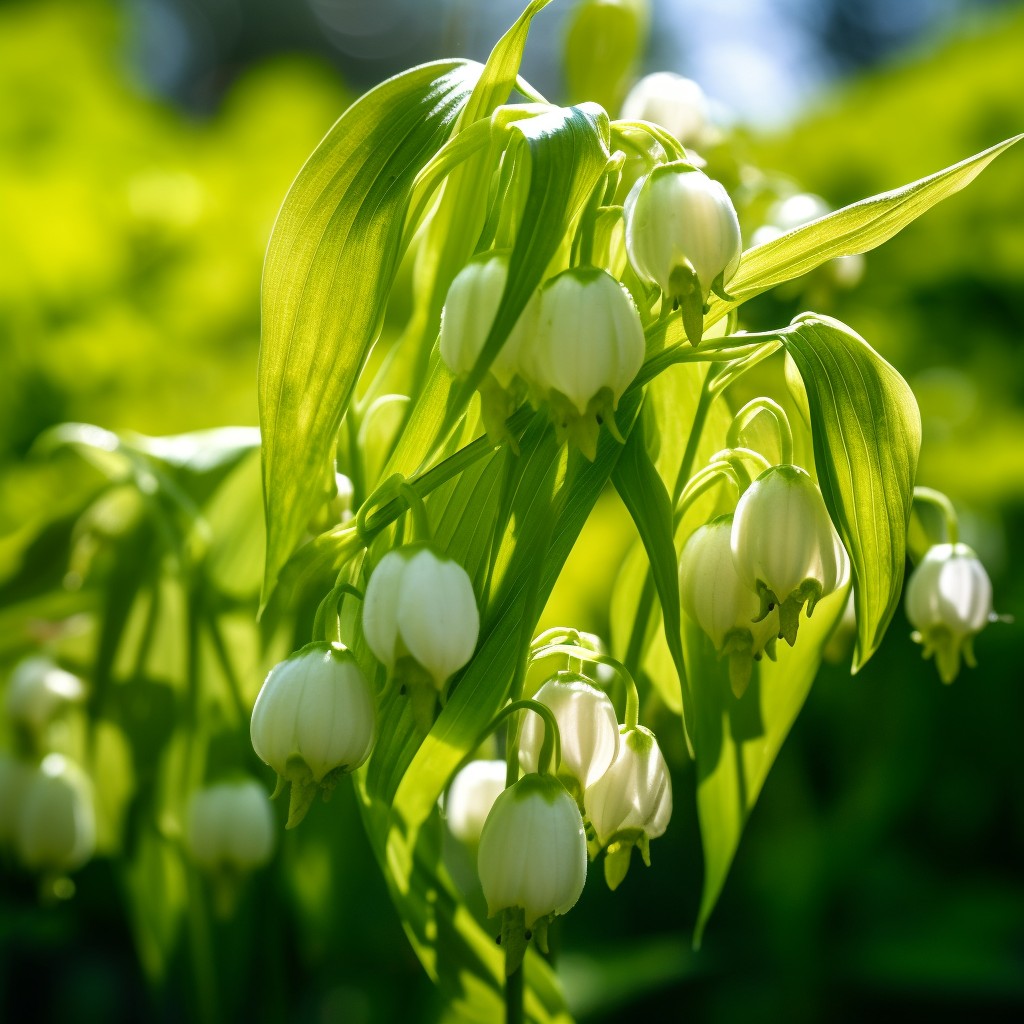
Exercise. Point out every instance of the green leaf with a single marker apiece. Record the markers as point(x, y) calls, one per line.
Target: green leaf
point(645, 496)
point(867, 436)
point(330, 264)
point(853, 229)
point(604, 40)
point(737, 741)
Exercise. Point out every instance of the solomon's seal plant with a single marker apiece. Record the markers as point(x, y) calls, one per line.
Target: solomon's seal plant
point(483, 312)
point(569, 319)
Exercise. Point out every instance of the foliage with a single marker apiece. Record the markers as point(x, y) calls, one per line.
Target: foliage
point(166, 539)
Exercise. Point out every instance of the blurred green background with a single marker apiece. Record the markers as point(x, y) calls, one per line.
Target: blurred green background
point(882, 870)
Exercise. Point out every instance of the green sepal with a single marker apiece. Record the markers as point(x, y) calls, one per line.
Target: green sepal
point(685, 293)
point(583, 431)
point(279, 787)
point(741, 668)
point(496, 405)
point(422, 697)
point(540, 934)
point(616, 863)
point(718, 287)
point(302, 796)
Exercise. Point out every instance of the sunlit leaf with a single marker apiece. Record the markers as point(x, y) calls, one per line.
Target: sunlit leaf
point(330, 264)
point(644, 493)
point(737, 740)
point(853, 229)
point(867, 436)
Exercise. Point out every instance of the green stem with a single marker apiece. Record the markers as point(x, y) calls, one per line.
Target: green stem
point(586, 654)
point(336, 595)
point(514, 995)
point(700, 415)
point(551, 748)
point(730, 374)
point(414, 501)
point(702, 482)
point(929, 496)
point(750, 412)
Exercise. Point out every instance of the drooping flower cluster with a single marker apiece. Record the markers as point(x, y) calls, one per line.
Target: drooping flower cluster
point(611, 783)
point(579, 343)
point(744, 578)
point(420, 619)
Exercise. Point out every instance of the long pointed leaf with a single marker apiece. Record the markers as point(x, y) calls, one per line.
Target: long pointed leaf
point(331, 261)
point(867, 436)
point(853, 229)
point(737, 740)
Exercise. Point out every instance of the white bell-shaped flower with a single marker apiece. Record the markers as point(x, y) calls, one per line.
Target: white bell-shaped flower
point(948, 602)
point(38, 691)
point(677, 104)
point(420, 612)
point(468, 315)
point(587, 727)
point(679, 224)
point(714, 596)
point(314, 720)
point(533, 850)
point(630, 804)
point(56, 828)
point(586, 347)
point(785, 547)
point(470, 798)
point(229, 827)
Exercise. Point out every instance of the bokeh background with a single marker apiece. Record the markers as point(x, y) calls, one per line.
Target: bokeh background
point(144, 149)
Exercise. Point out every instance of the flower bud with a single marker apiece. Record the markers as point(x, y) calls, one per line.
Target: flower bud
point(785, 547)
point(56, 829)
point(675, 103)
point(587, 346)
point(420, 616)
point(949, 601)
point(468, 315)
point(587, 728)
point(631, 803)
point(229, 827)
point(533, 850)
point(714, 597)
point(38, 691)
point(682, 234)
point(313, 721)
point(471, 797)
